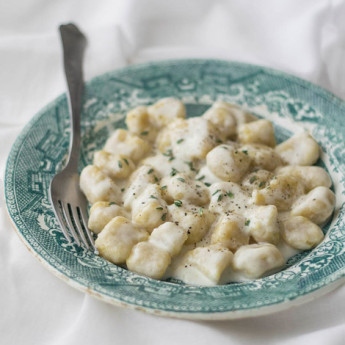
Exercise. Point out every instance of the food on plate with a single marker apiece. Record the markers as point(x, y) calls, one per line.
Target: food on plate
point(256, 259)
point(206, 200)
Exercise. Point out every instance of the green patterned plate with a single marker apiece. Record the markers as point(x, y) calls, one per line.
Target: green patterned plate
point(291, 103)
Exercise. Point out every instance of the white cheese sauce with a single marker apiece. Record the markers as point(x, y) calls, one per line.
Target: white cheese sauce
point(182, 154)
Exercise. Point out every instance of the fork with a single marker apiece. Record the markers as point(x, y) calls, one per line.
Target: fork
point(68, 201)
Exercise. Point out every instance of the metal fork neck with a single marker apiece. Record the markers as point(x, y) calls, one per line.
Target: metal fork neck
point(74, 44)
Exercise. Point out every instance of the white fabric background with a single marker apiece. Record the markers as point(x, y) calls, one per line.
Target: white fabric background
point(305, 38)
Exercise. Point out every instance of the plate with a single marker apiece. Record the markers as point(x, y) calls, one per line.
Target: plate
point(291, 103)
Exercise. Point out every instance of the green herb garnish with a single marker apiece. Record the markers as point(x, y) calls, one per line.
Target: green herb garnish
point(229, 194)
point(168, 153)
point(119, 164)
point(190, 164)
point(178, 203)
point(217, 191)
point(181, 179)
point(179, 141)
point(144, 133)
point(164, 217)
point(173, 172)
point(247, 222)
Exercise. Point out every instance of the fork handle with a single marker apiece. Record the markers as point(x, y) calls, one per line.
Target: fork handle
point(74, 44)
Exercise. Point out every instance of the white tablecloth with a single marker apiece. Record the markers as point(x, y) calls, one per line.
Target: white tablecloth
point(305, 38)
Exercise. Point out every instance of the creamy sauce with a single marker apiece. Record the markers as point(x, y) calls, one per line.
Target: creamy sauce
point(192, 157)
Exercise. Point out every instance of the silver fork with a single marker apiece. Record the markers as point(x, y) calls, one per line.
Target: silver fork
point(68, 201)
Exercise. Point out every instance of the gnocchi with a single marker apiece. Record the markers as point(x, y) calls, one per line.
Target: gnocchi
point(257, 132)
point(101, 213)
point(116, 240)
point(256, 259)
point(228, 163)
point(204, 199)
point(301, 233)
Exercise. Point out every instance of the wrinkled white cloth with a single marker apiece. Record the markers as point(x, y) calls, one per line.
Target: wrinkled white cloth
point(305, 38)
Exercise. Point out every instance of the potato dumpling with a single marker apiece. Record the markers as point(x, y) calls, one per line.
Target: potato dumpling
point(228, 197)
point(300, 233)
point(206, 176)
point(227, 163)
point(188, 139)
point(174, 131)
point(262, 224)
point(139, 122)
point(254, 260)
point(152, 214)
point(164, 166)
point(229, 232)
point(211, 261)
point(241, 116)
point(257, 132)
point(194, 220)
point(182, 187)
point(149, 210)
point(101, 213)
point(201, 137)
point(256, 180)
point(281, 191)
point(116, 240)
point(317, 205)
point(148, 260)
point(300, 149)
point(97, 186)
point(262, 156)
point(169, 237)
point(138, 181)
point(311, 176)
point(113, 165)
point(221, 117)
point(125, 143)
point(166, 110)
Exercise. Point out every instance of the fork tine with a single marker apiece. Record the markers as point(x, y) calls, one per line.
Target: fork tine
point(69, 221)
point(89, 235)
point(79, 226)
point(56, 208)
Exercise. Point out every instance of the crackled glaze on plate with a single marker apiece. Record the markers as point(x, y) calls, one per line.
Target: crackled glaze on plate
point(291, 103)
